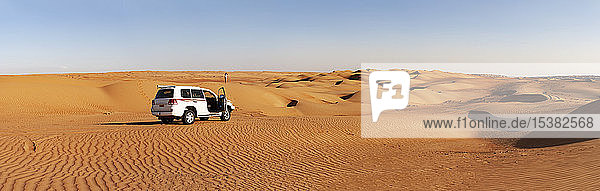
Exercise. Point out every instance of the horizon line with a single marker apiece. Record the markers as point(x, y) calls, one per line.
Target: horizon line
point(300, 71)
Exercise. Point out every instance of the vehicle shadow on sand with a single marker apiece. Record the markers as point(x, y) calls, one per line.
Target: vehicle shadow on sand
point(133, 123)
point(152, 122)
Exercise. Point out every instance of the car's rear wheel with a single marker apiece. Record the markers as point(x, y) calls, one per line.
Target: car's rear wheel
point(225, 115)
point(188, 117)
point(166, 120)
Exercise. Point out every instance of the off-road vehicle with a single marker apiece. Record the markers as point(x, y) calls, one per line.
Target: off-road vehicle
point(188, 103)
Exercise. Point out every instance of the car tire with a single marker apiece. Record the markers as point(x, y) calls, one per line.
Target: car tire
point(203, 118)
point(166, 120)
point(226, 115)
point(188, 117)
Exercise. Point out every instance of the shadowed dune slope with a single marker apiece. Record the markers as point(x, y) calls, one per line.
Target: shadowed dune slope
point(590, 108)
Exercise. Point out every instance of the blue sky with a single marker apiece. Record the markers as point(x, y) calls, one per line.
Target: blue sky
point(94, 36)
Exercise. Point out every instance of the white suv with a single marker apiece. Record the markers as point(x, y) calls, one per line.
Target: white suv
point(187, 103)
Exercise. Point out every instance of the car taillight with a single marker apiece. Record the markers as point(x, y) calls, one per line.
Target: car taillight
point(172, 102)
point(153, 102)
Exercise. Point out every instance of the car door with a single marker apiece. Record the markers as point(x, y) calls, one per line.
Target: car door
point(186, 94)
point(199, 102)
point(211, 101)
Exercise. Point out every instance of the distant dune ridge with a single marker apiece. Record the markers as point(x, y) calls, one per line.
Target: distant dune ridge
point(133, 91)
point(292, 130)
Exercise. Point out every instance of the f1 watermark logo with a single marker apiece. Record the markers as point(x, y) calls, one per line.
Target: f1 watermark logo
point(388, 90)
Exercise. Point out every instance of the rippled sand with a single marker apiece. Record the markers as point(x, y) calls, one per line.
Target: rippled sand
point(94, 131)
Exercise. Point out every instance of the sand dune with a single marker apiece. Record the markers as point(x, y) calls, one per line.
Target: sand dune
point(94, 131)
point(525, 98)
point(590, 108)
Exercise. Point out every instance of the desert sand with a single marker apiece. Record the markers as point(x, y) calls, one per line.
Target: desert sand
point(94, 131)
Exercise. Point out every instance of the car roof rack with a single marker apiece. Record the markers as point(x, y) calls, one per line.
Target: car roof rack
point(164, 86)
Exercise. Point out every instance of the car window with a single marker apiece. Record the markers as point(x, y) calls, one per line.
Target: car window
point(208, 94)
point(165, 93)
point(197, 94)
point(185, 93)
